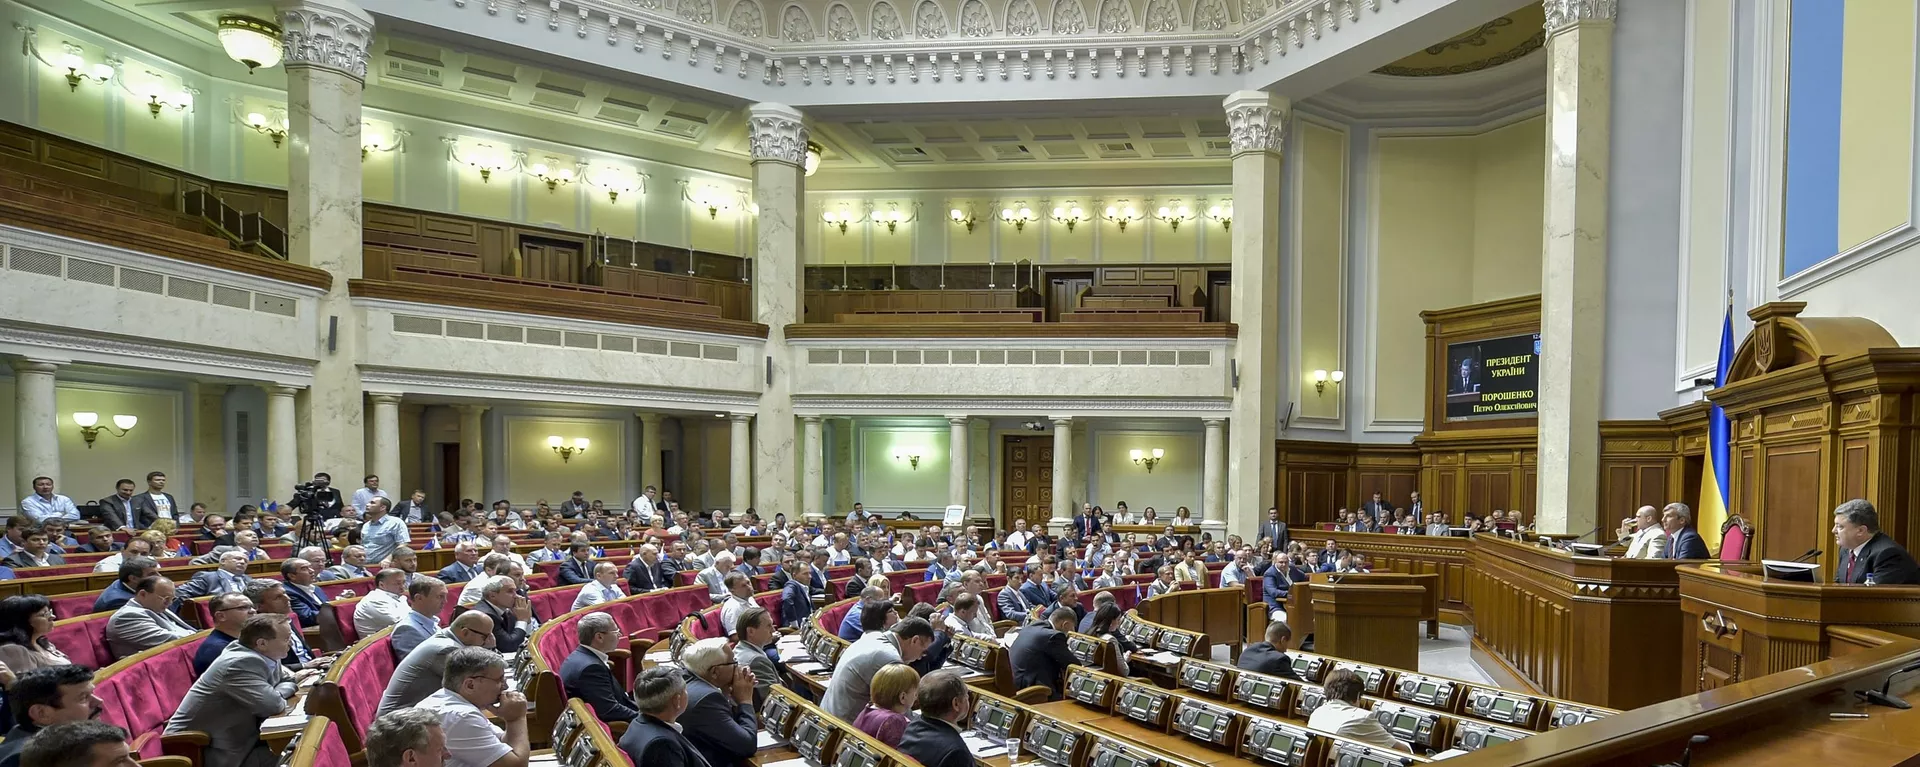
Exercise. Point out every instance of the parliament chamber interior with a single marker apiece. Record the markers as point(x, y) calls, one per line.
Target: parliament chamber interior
point(1299, 383)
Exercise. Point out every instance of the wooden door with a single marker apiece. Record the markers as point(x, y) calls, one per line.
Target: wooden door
point(551, 260)
point(1063, 294)
point(1026, 476)
point(450, 476)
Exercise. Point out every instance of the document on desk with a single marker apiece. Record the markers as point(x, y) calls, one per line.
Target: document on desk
point(1448, 754)
point(983, 748)
point(767, 740)
point(966, 672)
point(284, 722)
point(807, 667)
point(1007, 638)
point(788, 763)
point(1162, 657)
point(663, 656)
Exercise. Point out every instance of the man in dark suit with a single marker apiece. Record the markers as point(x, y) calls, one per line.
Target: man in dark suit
point(1379, 510)
point(647, 573)
point(933, 738)
point(1684, 541)
point(1865, 551)
point(719, 720)
point(585, 674)
point(155, 503)
point(116, 511)
point(1274, 529)
point(1278, 584)
point(512, 614)
point(413, 509)
point(1269, 657)
point(1086, 525)
point(578, 566)
point(1040, 655)
point(652, 739)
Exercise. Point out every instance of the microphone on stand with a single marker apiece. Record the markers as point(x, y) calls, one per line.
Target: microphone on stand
point(1812, 554)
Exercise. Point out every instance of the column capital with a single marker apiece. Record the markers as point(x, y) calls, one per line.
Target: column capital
point(778, 133)
point(384, 398)
point(1563, 14)
point(1063, 422)
point(330, 34)
point(1213, 423)
point(29, 365)
point(474, 410)
point(811, 419)
point(960, 420)
point(276, 390)
point(648, 417)
point(740, 417)
point(1257, 121)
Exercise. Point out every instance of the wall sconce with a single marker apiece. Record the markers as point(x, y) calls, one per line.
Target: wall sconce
point(966, 219)
point(1071, 215)
point(909, 454)
point(372, 140)
point(552, 175)
point(713, 198)
point(1173, 215)
point(813, 157)
point(1222, 214)
point(158, 98)
point(840, 218)
point(1019, 217)
point(273, 127)
point(1147, 458)
point(893, 217)
point(564, 450)
point(485, 158)
point(616, 182)
point(1321, 377)
point(77, 69)
point(90, 427)
point(1121, 215)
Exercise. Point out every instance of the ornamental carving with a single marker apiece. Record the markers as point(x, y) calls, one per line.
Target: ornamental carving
point(696, 11)
point(1023, 19)
point(1566, 13)
point(746, 20)
point(1069, 18)
point(929, 21)
point(840, 24)
point(974, 21)
point(776, 137)
point(1210, 16)
point(1116, 17)
point(886, 22)
point(318, 36)
point(1162, 16)
point(796, 27)
point(1257, 128)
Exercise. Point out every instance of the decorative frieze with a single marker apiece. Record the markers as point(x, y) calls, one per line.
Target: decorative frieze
point(334, 35)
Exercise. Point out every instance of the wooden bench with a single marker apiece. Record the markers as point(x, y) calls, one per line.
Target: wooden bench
point(174, 243)
point(1133, 315)
point(379, 260)
point(1126, 302)
point(87, 216)
point(882, 317)
point(29, 183)
point(553, 291)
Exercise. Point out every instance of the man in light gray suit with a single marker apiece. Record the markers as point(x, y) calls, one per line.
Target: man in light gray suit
point(242, 688)
point(231, 578)
point(420, 673)
point(144, 622)
point(754, 632)
point(715, 577)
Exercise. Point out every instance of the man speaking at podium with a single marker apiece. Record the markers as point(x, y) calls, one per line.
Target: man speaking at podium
point(1865, 552)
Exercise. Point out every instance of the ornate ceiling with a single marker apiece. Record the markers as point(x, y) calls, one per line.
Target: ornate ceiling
point(1504, 39)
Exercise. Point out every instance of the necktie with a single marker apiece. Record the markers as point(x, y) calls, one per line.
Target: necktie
point(1851, 558)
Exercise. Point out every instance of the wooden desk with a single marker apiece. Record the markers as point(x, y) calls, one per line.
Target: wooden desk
point(1445, 557)
point(1217, 613)
point(1741, 626)
point(1376, 623)
point(1300, 599)
point(1588, 629)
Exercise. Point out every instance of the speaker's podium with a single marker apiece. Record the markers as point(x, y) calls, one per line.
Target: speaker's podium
point(1747, 620)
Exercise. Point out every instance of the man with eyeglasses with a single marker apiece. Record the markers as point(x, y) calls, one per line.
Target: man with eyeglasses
point(424, 669)
point(230, 612)
point(475, 686)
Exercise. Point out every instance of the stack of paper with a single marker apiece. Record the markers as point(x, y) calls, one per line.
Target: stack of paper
point(284, 722)
point(788, 763)
point(662, 656)
point(768, 740)
point(983, 748)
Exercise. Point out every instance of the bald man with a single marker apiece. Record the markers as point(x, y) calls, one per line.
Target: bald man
point(418, 675)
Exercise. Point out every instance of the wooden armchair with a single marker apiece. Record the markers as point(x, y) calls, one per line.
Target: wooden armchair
point(1736, 538)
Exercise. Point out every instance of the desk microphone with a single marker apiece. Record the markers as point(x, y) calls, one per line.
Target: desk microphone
point(1686, 756)
point(1596, 528)
point(1811, 555)
point(1880, 696)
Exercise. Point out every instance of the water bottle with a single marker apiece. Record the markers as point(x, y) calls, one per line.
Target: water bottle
point(1013, 751)
point(1871, 581)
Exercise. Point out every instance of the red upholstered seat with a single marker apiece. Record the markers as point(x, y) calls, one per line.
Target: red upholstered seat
point(689, 600)
point(84, 640)
point(555, 602)
point(904, 578)
point(333, 589)
point(333, 751)
point(73, 605)
point(685, 577)
point(927, 591)
point(343, 611)
point(769, 600)
point(140, 697)
point(453, 603)
point(839, 571)
point(537, 581)
point(365, 680)
point(1733, 544)
point(1213, 577)
point(831, 616)
point(549, 569)
point(1256, 589)
point(992, 598)
point(762, 582)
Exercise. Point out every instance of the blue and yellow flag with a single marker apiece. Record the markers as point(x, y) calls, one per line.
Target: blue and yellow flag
point(1712, 511)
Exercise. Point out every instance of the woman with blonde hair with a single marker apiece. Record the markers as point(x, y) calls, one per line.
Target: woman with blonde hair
point(168, 546)
point(893, 690)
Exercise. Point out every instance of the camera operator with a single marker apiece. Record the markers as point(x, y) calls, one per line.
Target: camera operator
point(315, 502)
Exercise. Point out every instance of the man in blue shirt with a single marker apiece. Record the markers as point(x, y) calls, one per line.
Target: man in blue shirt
point(382, 533)
point(230, 611)
point(45, 504)
point(132, 571)
point(426, 596)
point(850, 628)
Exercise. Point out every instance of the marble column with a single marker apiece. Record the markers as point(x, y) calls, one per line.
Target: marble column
point(740, 456)
point(1213, 505)
point(386, 443)
point(36, 445)
point(813, 470)
point(1257, 128)
point(1573, 279)
point(1063, 502)
point(473, 458)
point(778, 145)
point(957, 455)
point(650, 452)
point(326, 44)
point(210, 446)
point(842, 448)
point(980, 501)
point(283, 446)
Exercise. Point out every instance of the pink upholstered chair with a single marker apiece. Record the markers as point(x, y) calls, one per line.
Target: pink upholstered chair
point(1736, 537)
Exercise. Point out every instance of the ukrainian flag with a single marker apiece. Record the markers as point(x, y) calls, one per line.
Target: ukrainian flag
point(1712, 509)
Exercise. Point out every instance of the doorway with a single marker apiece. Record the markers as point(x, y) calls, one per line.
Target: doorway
point(552, 260)
point(1026, 479)
point(1063, 293)
point(450, 476)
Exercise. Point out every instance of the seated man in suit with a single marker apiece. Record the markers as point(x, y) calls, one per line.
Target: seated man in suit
point(473, 686)
point(37, 551)
point(646, 573)
point(1270, 657)
point(933, 738)
point(585, 674)
point(1040, 655)
point(1865, 552)
point(512, 615)
point(147, 620)
point(244, 687)
point(753, 633)
point(230, 614)
point(1646, 538)
point(230, 578)
point(307, 598)
point(720, 719)
point(1683, 541)
point(466, 564)
point(426, 598)
point(1341, 714)
point(656, 738)
point(132, 571)
point(577, 569)
point(418, 675)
